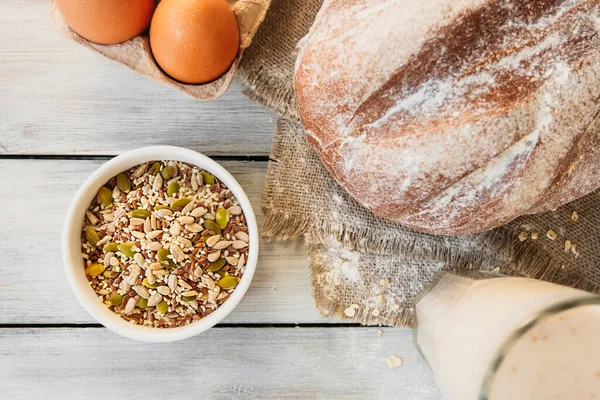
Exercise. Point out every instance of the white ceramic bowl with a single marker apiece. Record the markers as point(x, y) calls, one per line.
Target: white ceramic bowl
point(72, 243)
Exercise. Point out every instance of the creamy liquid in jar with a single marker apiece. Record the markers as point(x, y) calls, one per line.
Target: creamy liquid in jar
point(559, 358)
point(462, 324)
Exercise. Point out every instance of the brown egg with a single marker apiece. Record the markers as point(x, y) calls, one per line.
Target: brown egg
point(194, 41)
point(107, 21)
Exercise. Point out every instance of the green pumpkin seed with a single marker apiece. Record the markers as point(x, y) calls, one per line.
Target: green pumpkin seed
point(228, 282)
point(187, 298)
point(155, 168)
point(109, 274)
point(162, 307)
point(217, 265)
point(162, 254)
point(105, 196)
point(125, 248)
point(124, 183)
point(143, 303)
point(222, 218)
point(92, 236)
point(111, 247)
point(179, 204)
point(160, 207)
point(94, 270)
point(115, 299)
point(166, 172)
point(150, 285)
point(212, 226)
point(207, 178)
point(140, 213)
point(172, 189)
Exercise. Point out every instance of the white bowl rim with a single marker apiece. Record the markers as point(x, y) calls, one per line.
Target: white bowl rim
point(71, 243)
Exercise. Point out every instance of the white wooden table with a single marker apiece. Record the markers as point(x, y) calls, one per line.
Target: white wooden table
point(63, 112)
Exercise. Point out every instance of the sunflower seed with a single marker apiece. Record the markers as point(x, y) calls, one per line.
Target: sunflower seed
point(153, 234)
point(175, 229)
point(223, 244)
point(164, 290)
point(184, 284)
point(116, 193)
point(142, 291)
point(138, 235)
point(186, 220)
point(129, 306)
point(211, 241)
point(208, 282)
point(194, 182)
point(150, 276)
point(190, 293)
point(154, 299)
point(92, 218)
point(154, 246)
point(241, 261)
point(239, 244)
point(242, 236)
point(107, 258)
point(177, 253)
point(172, 282)
point(212, 257)
point(141, 170)
point(157, 184)
point(235, 210)
point(187, 209)
point(198, 212)
point(163, 212)
point(231, 260)
point(194, 228)
point(139, 259)
point(185, 242)
point(136, 222)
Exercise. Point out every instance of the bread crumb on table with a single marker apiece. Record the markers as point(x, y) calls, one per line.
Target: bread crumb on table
point(394, 361)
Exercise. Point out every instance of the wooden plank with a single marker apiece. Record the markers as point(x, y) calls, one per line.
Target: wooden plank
point(58, 98)
point(34, 289)
point(223, 363)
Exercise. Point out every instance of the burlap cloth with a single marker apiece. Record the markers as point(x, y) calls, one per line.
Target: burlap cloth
point(369, 269)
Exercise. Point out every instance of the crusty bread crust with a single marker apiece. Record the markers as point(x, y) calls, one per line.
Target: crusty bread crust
point(455, 116)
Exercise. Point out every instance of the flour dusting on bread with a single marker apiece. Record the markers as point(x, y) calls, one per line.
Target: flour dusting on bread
point(453, 116)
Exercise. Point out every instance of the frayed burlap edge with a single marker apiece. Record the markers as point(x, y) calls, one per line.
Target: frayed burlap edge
point(525, 260)
point(281, 101)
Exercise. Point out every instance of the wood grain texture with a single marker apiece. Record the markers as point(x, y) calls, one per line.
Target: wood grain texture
point(34, 288)
point(59, 98)
point(222, 363)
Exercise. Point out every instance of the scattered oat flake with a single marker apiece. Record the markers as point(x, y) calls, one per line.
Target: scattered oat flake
point(523, 236)
point(379, 333)
point(534, 235)
point(350, 312)
point(574, 216)
point(567, 245)
point(394, 361)
point(551, 234)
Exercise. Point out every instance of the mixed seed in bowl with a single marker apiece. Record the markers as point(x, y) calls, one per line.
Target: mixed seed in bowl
point(164, 244)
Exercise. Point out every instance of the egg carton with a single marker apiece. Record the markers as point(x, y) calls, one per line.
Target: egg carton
point(136, 54)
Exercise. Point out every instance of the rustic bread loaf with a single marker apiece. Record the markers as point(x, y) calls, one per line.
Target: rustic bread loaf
point(455, 116)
